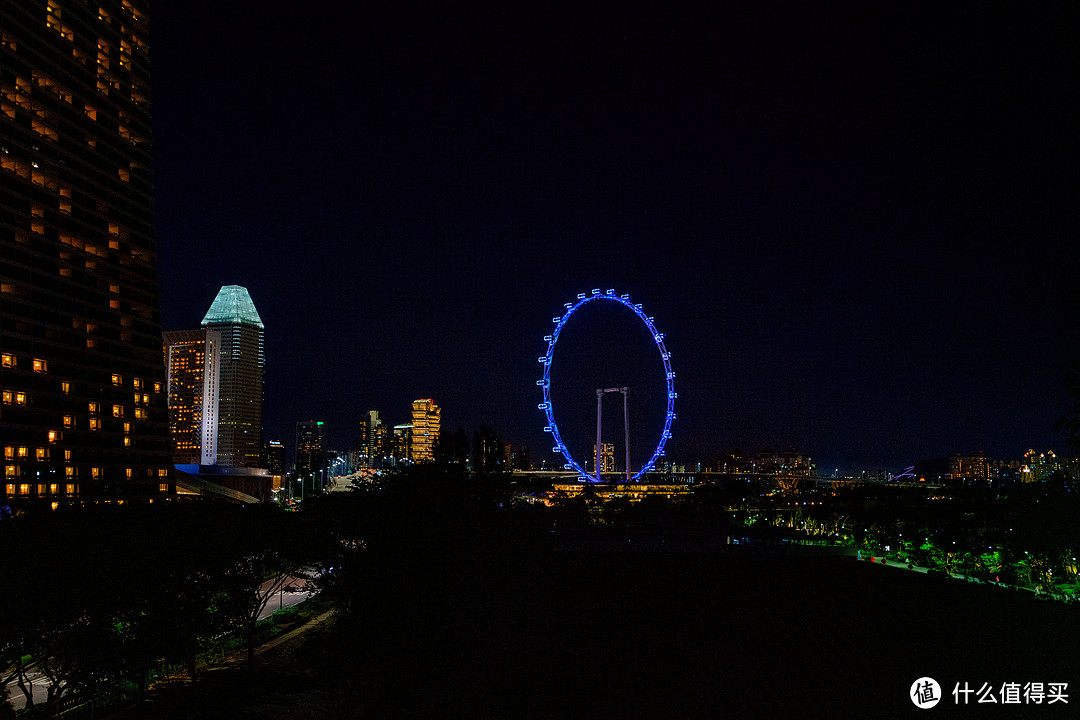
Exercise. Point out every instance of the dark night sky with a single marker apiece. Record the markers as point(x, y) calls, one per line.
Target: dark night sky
point(856, 223)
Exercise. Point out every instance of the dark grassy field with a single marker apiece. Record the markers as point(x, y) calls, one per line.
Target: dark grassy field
point(654, 635)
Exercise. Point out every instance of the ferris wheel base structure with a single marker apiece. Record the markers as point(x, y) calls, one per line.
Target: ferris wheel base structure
point(548, 406)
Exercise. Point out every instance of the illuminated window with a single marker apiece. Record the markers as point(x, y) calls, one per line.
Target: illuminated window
point(117, 411)
point(10, 471)
point(93, 407)
point(162, 472)
point(41, 453)
point(95, 472)
point(70, 488)
point(20, 398)
point(9, 451)
point(136, 382)
point(65, 387)
point(40, 366)
point(95, 424)
point(54, 435)
point(157, 387)
point(67, 455)
point(23, 452)
point(146, 399)
point(53, 488)
point(69, 471)
point(69, 421)
point(7, 360)
point(136, 398)
point(127, 441)
point(163, 487)
point(127, 471)
point(54, 504)
point(116, 379)
point(140, 413)
point(24, 489)
point(8, 397)
point(40, 490)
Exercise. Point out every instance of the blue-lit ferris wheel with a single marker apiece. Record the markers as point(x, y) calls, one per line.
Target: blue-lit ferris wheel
point(547, 405)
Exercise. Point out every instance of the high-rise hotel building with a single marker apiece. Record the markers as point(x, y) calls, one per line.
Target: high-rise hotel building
point(215, 385)
point(82, 384)
point(193, 381)
point(425, 430)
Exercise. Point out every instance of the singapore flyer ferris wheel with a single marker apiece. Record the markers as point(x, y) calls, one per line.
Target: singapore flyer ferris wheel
point(548, 405)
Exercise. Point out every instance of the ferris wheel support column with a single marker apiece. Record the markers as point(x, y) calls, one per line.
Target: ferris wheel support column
point(626, 428)
point(597, 455)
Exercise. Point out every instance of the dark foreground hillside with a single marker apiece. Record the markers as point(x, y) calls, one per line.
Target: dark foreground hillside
point(498, 634)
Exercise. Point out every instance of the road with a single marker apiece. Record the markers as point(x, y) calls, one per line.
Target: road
point(283, 599)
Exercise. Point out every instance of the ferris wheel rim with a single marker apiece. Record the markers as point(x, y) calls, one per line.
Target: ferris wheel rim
point(545, 382)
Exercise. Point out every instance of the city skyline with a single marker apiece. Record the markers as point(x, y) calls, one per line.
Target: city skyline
point(852, 225)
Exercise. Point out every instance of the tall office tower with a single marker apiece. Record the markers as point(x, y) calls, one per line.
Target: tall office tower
point(192, 381)
point(400, 442)
point(274, 457)
point(240, 369)
point(425, 430)
point(372, 439)
point(83, 399)
point(309, 455)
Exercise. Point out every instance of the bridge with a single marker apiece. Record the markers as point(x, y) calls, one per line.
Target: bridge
point(703, 476)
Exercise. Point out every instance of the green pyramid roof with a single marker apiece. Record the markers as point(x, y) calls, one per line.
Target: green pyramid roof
point(232, 305)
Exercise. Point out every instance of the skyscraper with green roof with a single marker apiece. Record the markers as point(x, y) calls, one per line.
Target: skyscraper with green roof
point(215, 383)
point(240, 382)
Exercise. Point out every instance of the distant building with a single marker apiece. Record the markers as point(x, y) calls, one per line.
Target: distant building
point(274, 457)
point(401, 442)
point(82, 383)
point(607, 457)
point(425, 430)
point(969, 469)
point(790, 463)
point(309, 448)
point(516, 458)
point(372, 440)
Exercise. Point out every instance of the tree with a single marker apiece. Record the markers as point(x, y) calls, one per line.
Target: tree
point(261, 559)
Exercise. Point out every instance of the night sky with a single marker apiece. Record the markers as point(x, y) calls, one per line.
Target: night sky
point(856, 223)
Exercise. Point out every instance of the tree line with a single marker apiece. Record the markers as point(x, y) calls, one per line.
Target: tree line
point(98, 602)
